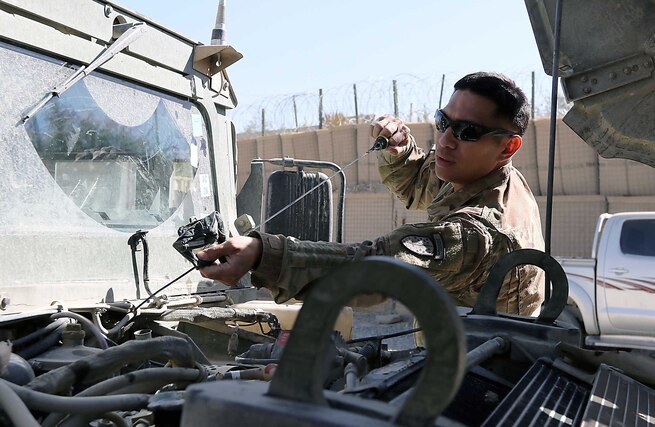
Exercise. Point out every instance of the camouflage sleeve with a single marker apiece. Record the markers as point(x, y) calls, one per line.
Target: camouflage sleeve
point(288, 265)
point(452, 252)
point(410, 175)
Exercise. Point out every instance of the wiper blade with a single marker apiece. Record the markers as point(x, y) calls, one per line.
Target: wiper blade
point(133, 32)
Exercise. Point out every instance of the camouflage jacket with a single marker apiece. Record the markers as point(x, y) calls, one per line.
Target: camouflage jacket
point(469, 230)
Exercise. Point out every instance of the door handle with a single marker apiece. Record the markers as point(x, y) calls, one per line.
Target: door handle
point(618, 270)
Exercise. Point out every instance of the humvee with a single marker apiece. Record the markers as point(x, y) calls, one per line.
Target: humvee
point(117, 162)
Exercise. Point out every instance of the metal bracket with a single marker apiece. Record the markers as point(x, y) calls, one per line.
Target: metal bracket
point(607, 77)
point(486, 303)
point(299, 376)
point(212, 59)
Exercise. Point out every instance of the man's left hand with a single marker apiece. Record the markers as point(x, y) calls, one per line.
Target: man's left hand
point(242, 254)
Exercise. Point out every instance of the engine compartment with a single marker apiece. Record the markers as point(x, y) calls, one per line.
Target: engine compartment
point(178, 362)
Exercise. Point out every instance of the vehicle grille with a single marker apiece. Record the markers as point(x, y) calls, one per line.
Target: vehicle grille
point(617, 400)
point(545, 396)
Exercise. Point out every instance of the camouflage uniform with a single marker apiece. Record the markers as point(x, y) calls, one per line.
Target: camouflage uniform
point(469, 230)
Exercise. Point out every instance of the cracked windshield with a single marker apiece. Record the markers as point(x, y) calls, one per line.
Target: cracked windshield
point(125, 156)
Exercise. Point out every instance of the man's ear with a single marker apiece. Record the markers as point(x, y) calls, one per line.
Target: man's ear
point(512, 146)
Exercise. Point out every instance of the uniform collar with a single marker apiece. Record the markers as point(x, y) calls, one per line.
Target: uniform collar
point(449, 200)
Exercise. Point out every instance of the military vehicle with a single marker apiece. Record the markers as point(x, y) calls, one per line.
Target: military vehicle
point(117, 161)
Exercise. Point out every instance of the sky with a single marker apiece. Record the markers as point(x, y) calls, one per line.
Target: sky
point(293, 46)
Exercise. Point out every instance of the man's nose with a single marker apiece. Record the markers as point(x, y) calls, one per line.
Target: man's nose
point(446, 139)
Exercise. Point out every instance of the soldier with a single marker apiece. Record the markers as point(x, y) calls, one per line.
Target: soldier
point(479, 207)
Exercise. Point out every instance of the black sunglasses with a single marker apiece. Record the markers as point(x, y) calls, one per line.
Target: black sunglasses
point(466, 131)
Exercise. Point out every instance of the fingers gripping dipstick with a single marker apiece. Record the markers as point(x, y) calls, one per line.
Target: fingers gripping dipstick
point(381, 142)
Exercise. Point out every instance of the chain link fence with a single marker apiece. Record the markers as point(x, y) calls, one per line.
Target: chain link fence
point(413, 98)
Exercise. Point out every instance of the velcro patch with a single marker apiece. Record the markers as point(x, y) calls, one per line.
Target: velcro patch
point(419, 245)
point(439, 252)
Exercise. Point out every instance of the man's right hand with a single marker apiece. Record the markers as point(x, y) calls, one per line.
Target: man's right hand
point(394, 129)
point(242, 254)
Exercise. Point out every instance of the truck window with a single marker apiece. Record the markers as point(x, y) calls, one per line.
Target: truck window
point(126, 155)
point(638, 237)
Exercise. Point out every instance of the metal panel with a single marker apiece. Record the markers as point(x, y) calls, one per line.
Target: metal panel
point(606, 61)
point(624, 25)
point(66, 14)
point(619, 400)
point(156, 45)
point(22, 30)
point(608, 76)
point(545, 396)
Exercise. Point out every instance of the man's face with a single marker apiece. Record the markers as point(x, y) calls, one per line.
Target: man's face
point(462, 162)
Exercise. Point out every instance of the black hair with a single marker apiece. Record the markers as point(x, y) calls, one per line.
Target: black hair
point(509, 98)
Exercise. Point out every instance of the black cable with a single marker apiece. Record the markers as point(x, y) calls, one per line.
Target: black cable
point(135, 268)
point(164, 287)
point(133, 243)
point(146, 257)
point(384, 337)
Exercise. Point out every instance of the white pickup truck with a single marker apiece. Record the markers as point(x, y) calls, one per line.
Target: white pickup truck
point(613, 293)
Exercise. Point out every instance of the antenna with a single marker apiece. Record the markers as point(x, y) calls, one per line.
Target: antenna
point(218, 33)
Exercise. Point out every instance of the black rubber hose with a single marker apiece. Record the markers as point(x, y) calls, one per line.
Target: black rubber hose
point(42, 345)
point(91, 369)
point(19, 342)
point(147, 381)
point(151, 378)
point(44, 402)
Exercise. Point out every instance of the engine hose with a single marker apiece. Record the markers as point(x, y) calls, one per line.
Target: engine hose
point(44, 402)
point(91, 369)
point(151, 377)
point(84, 420)
point(152, 386)
point(15, 409)
point(147, 381)
point(36, 334)
point(42, 345)
point(116, 328)
point(102, 342)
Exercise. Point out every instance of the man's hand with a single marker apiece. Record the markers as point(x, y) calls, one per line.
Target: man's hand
point(242, 254)
point(394, 129)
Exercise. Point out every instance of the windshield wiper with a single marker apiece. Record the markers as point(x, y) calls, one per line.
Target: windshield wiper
point(133, 32)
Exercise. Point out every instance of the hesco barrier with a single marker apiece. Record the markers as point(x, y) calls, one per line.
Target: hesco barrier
point(585, 185)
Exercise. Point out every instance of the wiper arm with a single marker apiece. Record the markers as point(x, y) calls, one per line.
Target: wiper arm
point(133, 32)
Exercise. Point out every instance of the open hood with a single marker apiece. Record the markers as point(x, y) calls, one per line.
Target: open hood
point(606, 64)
